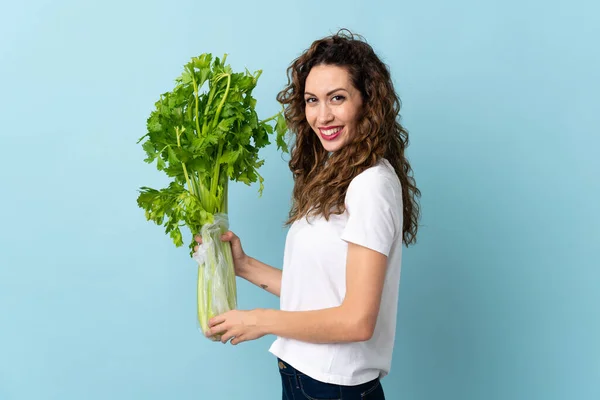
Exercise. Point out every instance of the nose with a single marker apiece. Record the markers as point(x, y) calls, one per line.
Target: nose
point(325, 114)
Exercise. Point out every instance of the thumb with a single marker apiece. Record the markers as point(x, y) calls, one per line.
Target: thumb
point(228, 236)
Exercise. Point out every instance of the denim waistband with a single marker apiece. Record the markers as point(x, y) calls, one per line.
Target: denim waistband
point(287, 369)
point(295, 383)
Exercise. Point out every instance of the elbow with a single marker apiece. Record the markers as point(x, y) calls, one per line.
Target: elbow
point(359, 324)
point(364, 329)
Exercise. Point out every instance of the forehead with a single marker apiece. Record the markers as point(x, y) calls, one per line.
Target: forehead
point(323, 78)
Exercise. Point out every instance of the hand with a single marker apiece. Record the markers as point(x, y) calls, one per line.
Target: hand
point(240, 326)
point(240, 259)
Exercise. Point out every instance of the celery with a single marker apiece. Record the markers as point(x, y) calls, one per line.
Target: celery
point(203, 138)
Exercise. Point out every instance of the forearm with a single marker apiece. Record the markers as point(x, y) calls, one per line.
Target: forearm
point(262, 275)
point(330, 325)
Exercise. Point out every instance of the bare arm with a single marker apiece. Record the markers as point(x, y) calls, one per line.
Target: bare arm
point(353, 321)
point(262, 275)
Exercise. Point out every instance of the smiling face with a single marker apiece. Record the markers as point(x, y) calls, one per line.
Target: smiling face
point(332, 105)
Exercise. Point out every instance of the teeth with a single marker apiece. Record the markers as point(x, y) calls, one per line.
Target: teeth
point(330, 132)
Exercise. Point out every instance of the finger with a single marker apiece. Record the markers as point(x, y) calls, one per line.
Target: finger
point(226, 336)
point(198, 239)
point(219, 319)
point(218, 329)
point(238, 339)
point(229, 236)
point(196, 248)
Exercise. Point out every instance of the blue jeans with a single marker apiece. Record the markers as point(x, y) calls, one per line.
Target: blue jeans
point(299, 386)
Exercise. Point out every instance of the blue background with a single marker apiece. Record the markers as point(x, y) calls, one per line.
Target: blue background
point(500, 298)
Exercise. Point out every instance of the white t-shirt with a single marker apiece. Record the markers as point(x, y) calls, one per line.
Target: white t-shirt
point(314, 277)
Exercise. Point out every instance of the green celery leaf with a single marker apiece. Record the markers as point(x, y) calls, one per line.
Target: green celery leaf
point(172, 156)
point(150, 151)
point(203, 133)
point(281, 129)
point(160, 163)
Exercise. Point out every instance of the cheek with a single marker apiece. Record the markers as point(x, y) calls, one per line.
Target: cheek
point(345, 117)
point(351, 117)
point(310, 117)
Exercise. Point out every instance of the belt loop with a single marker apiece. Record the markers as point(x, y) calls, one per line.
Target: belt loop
point(297, 379)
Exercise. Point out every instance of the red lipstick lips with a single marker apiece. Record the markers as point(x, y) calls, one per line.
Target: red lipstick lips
point(332, 132)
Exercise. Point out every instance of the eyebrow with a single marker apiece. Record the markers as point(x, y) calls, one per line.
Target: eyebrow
point(328, 93)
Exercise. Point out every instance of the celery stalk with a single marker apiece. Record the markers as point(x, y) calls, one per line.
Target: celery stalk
point(216, 291)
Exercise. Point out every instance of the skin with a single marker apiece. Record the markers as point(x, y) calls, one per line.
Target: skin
point(331, 101)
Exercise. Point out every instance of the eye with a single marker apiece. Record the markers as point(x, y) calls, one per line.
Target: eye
point(338, 97)
point(310, 99)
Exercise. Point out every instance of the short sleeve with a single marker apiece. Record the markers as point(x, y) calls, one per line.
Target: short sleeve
point(374, 212)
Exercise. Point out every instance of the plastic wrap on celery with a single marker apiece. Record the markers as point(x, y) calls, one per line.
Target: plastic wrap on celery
point(216, 274)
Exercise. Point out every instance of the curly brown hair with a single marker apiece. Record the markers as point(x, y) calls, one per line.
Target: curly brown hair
point(379, 134)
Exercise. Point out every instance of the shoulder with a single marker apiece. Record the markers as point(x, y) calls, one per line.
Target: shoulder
point(380, 179)
point(374, 208)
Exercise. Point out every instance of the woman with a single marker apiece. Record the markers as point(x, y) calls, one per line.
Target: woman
point(354, 205)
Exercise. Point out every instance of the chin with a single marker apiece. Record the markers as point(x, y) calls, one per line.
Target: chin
point(333, 146)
